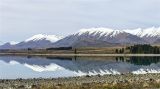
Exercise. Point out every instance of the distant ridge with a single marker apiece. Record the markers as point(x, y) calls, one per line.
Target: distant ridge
point(93, 37)
point(36, 41)
point(51, 38)
point(150, 34)
point(100, 34)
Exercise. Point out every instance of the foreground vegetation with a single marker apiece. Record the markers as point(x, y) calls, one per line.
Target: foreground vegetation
point(123, 81)
point(149, 85)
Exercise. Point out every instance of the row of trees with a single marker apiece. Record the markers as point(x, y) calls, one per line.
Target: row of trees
point(120, 50)
point(140, 48)
point(144, 49)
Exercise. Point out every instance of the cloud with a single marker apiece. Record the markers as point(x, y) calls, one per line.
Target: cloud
point(62, 17)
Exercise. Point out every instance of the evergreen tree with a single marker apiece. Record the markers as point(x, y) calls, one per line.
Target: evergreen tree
point(122, 50)
point(117, 51)
point(144, 49)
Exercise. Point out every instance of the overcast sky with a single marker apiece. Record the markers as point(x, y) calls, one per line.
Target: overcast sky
point(20, 19)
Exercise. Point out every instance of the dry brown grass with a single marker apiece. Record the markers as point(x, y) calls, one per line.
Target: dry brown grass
point(144, 85)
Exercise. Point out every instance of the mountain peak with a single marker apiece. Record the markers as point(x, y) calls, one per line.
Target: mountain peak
point(148, 32)
point(101, 31)
point(91, 37)
point(51, 38)
point(13, 43)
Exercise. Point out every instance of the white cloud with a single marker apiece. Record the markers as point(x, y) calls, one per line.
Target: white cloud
point(30, 17)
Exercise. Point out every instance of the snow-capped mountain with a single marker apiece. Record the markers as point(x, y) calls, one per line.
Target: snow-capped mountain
point(150, 34)
point(13, 43)
point(103, 35)
point(93, 37)
point(36, 41)
point(8, 45)
point(51, 38)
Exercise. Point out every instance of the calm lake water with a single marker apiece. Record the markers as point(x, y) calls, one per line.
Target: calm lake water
point(12, 67)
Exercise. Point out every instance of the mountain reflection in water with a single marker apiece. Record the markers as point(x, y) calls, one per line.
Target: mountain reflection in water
point(33, 67)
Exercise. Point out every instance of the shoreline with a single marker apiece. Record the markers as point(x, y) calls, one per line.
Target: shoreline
point(127, 81)
point(78, 55)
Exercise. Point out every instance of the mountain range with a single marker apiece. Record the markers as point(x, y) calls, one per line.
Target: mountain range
point(93, 37)
point(36, 41)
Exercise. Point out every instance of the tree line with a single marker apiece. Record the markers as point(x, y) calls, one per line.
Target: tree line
point(141, 49)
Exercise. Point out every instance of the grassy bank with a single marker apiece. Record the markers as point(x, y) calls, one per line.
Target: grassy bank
point(77, 55)
point(88, 50)
point(135, 49)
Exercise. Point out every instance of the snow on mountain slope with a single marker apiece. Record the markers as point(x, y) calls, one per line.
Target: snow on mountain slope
point(149, 32)
point(99, 34)
point(8, 45)
point(109, 35)
point(36, 41)
point(100, 31)
point(91, 37)
point(51, 38)
point(13, 43)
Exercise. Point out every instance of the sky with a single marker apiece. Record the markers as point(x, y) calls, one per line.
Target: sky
point(21, 19)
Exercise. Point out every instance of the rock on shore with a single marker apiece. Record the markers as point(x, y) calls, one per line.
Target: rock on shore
point(127, 81)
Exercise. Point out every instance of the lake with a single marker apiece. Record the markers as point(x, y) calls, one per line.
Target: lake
point(12, 67)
